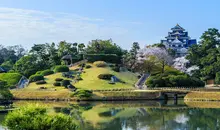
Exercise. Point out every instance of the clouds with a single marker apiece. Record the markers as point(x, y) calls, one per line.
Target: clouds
point(26, 27)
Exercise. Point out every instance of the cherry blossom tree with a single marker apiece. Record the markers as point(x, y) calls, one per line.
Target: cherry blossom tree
point(182, 64)
point(154, 56)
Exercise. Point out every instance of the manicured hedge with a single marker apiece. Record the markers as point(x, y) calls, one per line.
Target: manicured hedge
point(47, 72)
point(173, 79)
point(110, 58)
point(41, 82)
point(105, 76)
point(61, 68)
point(82, 93)
point(57, 84)
point(100, 64)
point(65, 83)
point(11, 78)
point(88, 66)
point(58, 79)
point(36, 77)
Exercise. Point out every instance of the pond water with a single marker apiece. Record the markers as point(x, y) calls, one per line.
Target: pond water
point(144, 115)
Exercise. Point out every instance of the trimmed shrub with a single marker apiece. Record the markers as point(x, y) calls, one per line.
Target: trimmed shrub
point(11, 78)
point(41, 82)
point(58, 79)
point(61, 68)
point(105, 76)
point(116, 69)
point(57, 84)
point(88, 66)
point(20, 119)
point(47, 72)
point(36, 77)
point(173, 80)
point(110, 58)
point(82, 93)
point(100, 64)
point(65, 83)
point(82, 65)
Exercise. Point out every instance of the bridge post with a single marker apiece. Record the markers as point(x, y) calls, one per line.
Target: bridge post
point(175, 98)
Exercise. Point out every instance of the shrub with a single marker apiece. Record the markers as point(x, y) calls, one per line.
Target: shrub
point(82, 65)
point(61, 68)
point(11, 78)
point(65, 83)
point(110, 58)
point(88, 66)
point(47, 72)
point(116, 69)
point(173, 79)
point(39, 72)
point(105, 76)
point(41, 82)
point(36, 77)
point(57, 84)
point(100, 64)
point(82, 93)
point(20, 119)
point(58, 79)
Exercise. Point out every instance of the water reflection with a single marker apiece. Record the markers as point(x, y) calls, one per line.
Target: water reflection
point(146, 115)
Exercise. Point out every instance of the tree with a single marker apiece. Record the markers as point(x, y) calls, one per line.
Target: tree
point(205, 55)
point(103, 47)
point(163, 57)
point(130, 58)
point(28, 65)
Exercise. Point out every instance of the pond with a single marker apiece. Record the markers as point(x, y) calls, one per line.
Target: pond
point(144, 115)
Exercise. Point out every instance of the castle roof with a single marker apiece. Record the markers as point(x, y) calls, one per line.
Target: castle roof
point(177, 27)
point(176, 41)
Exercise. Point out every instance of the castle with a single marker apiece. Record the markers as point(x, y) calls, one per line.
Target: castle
point(178, 40)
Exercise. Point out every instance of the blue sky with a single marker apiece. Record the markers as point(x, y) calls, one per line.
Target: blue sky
point(29, 22)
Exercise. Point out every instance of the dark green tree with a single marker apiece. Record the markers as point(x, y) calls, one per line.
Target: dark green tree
point(206, 54)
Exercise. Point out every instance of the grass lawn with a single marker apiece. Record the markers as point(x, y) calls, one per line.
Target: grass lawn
point(92, 82)
point(203, 95)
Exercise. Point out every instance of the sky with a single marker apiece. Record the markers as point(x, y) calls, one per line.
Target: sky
point(28, 22)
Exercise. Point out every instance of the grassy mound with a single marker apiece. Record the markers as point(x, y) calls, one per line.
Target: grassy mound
point(92, 82)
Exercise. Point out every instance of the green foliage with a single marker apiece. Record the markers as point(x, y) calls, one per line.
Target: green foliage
point(36, 77)
point(39, 72)
point(105, 76)
point(103, 47)
point(28, 65)
point(41, 82)
point(88, 66)
point(11, 78)
point(4, 91)
point(57, 84)
point(58, 79)
point(217, 78)
point(100, 64)
point(36, 118)
point(82, 93)
point(116, 68)
point(8, 65)
point(47, 72)
point(110, 58)
point(65, 83)
point(205, 55)
point(61, 68)
point(173, 79)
